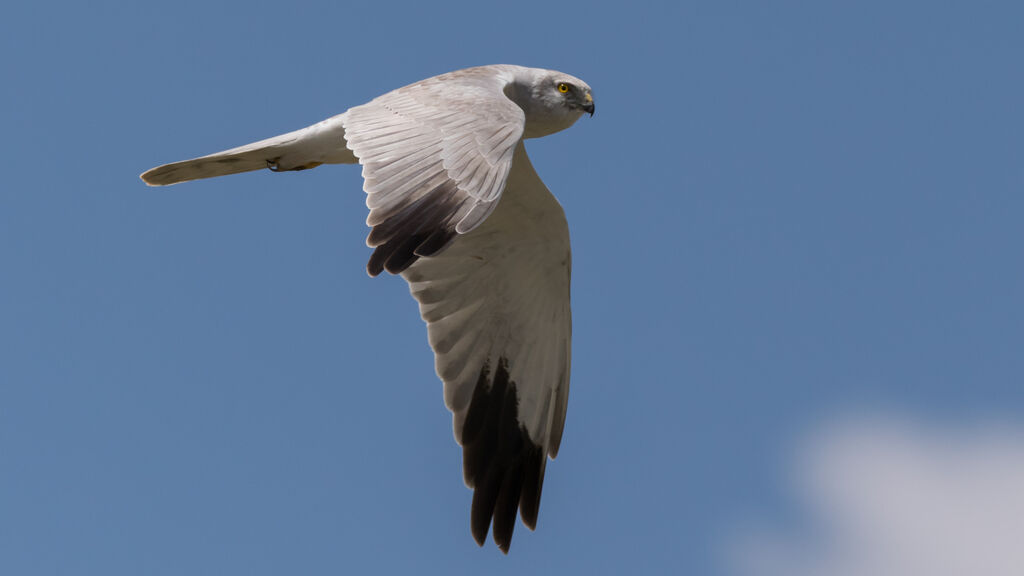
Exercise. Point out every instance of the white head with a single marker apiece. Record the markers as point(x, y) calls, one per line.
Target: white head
point(552, 101)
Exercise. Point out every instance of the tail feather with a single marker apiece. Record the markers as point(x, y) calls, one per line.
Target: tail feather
point(321, 143)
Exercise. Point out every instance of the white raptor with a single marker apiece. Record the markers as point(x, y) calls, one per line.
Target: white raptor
point(457, 209)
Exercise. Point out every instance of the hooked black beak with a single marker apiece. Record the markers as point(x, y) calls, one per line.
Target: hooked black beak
point(588, 106)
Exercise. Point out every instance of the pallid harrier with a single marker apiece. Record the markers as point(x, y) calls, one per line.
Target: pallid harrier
point(457, 209)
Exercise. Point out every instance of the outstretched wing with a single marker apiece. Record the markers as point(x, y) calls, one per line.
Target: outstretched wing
point(496, 304)
point(321, 143)
point(435, 158)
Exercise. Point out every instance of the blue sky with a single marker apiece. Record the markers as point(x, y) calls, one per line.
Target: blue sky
point(782, 215)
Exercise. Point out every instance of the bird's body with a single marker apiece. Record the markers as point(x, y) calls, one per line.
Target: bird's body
point(457, 209)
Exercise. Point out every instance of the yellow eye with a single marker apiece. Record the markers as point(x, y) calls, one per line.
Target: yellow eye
point(563, 87)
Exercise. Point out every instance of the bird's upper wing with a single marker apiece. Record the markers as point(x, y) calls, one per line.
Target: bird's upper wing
point(435, 158)
point(496, 304)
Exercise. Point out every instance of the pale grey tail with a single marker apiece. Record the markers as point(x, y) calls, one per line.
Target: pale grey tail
point(321, 143)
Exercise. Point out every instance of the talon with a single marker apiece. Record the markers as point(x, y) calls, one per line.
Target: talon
point(275, 166)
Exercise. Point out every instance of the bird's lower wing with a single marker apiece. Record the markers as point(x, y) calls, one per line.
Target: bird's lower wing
point(321, 143)
point(496, 304)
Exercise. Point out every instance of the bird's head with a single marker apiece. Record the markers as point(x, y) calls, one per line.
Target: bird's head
point(552, 101)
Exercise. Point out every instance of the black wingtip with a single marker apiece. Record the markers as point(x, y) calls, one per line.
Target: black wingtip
point(534, 460)
point(482, 510)
point(480, 537)
point(506, 506)
point(500, 461)
point(422, 228)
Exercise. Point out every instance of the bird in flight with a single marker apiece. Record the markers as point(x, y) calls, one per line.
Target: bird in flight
point(457, 209)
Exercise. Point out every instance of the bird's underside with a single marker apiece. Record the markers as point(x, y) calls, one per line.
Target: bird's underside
point(457, 209)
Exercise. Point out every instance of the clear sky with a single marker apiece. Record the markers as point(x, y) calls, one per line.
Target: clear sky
point(784, 215)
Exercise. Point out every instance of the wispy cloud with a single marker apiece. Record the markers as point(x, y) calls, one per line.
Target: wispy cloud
point(888, 497)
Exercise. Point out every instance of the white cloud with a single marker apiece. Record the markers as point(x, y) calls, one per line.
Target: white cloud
point(893, 498)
